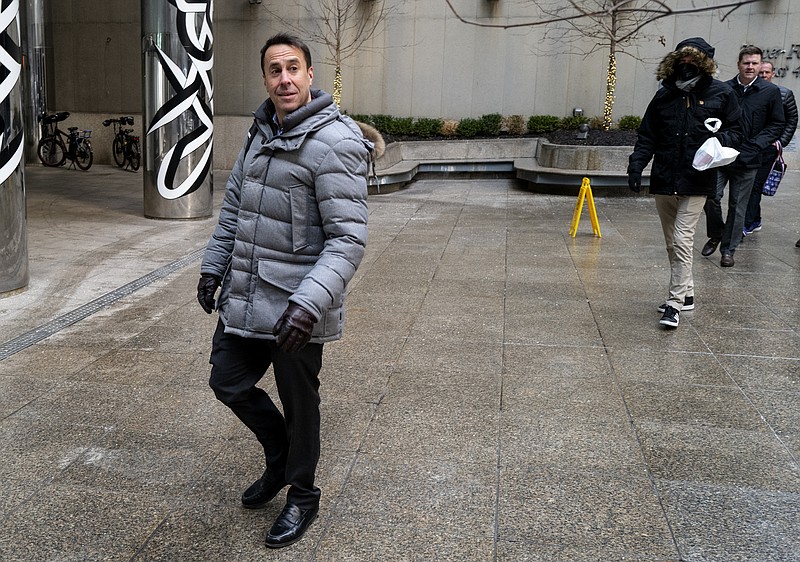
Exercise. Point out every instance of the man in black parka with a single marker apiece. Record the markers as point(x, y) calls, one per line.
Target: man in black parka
point(762, 124)
point(672, 129)
point(752, 219)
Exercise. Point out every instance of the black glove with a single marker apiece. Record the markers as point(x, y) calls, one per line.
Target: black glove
point(293, 329)
point(206, 288)
point(635, 181)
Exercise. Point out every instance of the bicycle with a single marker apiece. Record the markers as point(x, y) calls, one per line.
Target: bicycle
point(125, 146)
point(53, 151)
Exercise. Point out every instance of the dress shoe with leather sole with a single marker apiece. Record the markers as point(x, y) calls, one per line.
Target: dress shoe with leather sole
point(726, 260)
point(261, 492)
point(290, 526)
point(710, 247)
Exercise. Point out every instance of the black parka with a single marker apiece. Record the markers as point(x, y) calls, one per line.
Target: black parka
point(762, 119)
point(673, 128)
point(789, 113)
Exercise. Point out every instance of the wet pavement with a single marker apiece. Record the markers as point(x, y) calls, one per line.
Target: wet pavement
point(502, 392)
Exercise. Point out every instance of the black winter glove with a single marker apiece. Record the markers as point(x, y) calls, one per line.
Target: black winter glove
point(206, 288)
point(293, 329)
point(635, 181)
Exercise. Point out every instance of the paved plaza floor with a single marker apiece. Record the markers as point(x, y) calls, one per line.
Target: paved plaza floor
point(503, 391)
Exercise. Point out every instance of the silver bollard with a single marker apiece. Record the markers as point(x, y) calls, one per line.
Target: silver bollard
point(178, 127)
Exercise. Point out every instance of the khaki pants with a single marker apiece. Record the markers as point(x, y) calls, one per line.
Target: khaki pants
point(679, 216)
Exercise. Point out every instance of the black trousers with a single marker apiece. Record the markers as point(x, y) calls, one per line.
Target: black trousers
point(754, 205)
point(291, 440)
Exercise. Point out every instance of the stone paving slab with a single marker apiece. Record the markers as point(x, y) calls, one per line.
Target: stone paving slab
point(502, 392)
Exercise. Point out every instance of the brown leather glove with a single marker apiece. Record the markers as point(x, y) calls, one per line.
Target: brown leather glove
point(206, 288)
point(293, 329)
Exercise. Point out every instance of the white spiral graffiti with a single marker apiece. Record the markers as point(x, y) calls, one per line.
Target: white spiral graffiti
point(11, 148)
point(191, 90)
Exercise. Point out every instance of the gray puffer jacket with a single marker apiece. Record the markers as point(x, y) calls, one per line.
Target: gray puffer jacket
point(293, 223)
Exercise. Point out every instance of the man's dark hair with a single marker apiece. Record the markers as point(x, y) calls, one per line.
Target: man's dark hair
point(750, 50)
point(286, 39)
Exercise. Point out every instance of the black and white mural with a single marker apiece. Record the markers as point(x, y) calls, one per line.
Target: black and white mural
point(191, 108)
point(11, 130)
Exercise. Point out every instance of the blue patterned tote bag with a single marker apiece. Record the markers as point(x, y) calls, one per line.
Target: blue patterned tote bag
point(775, 174)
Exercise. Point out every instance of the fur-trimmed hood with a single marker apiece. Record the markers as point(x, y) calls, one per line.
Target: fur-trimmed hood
point(705, 63)
point(373, 135)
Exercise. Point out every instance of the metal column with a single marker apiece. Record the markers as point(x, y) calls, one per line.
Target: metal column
point(13, 237)
point(178, 92)
point(33, 73)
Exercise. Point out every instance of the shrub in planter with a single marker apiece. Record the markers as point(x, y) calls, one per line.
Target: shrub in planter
point(573, 122)
point(596, 123)
point(426, 127)
point(468, 127)
point(543, 123)
point(515, 125)
point(491, 124)
point(401, 126)
point(393, 125)
point(362, 118)
point(449, 128)
point(629, 122)
point(382, 122)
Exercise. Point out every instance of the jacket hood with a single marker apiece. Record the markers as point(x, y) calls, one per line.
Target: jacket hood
point(374, 136)
point(702, 55)
point(318, 113)
point(319, 100)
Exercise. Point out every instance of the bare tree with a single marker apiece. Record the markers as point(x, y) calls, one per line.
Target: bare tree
point(611, 25)
point(343, 26)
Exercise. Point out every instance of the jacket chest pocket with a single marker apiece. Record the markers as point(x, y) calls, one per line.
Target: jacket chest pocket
point(301, 202)
point(706, 109)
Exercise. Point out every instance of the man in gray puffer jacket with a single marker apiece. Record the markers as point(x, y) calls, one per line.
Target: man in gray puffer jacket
point(292, 231)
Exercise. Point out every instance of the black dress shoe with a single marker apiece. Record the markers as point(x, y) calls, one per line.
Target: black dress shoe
point(726, 260)
point(290, 526)
point(261, 492)
point(710, 247)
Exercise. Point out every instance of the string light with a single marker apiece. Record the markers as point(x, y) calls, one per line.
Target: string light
point(337, 87)
point(611, 84)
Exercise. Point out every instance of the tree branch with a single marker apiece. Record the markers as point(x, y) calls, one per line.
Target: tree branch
point(664, 11)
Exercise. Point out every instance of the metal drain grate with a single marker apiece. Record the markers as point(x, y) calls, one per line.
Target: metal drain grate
point(36, 335)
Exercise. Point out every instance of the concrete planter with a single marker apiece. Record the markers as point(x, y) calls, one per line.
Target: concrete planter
point(458, 150)
point(587, 158)
point(533, 160)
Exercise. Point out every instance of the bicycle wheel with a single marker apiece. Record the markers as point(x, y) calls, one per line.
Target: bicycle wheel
point(135, 155)
point(84, 155)
point(119, 152)
point(51, 151)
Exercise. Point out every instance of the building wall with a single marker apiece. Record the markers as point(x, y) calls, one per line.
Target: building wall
point(422, 63)
point(94, 56)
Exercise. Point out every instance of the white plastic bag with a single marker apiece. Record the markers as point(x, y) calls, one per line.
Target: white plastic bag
point(711, 153)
